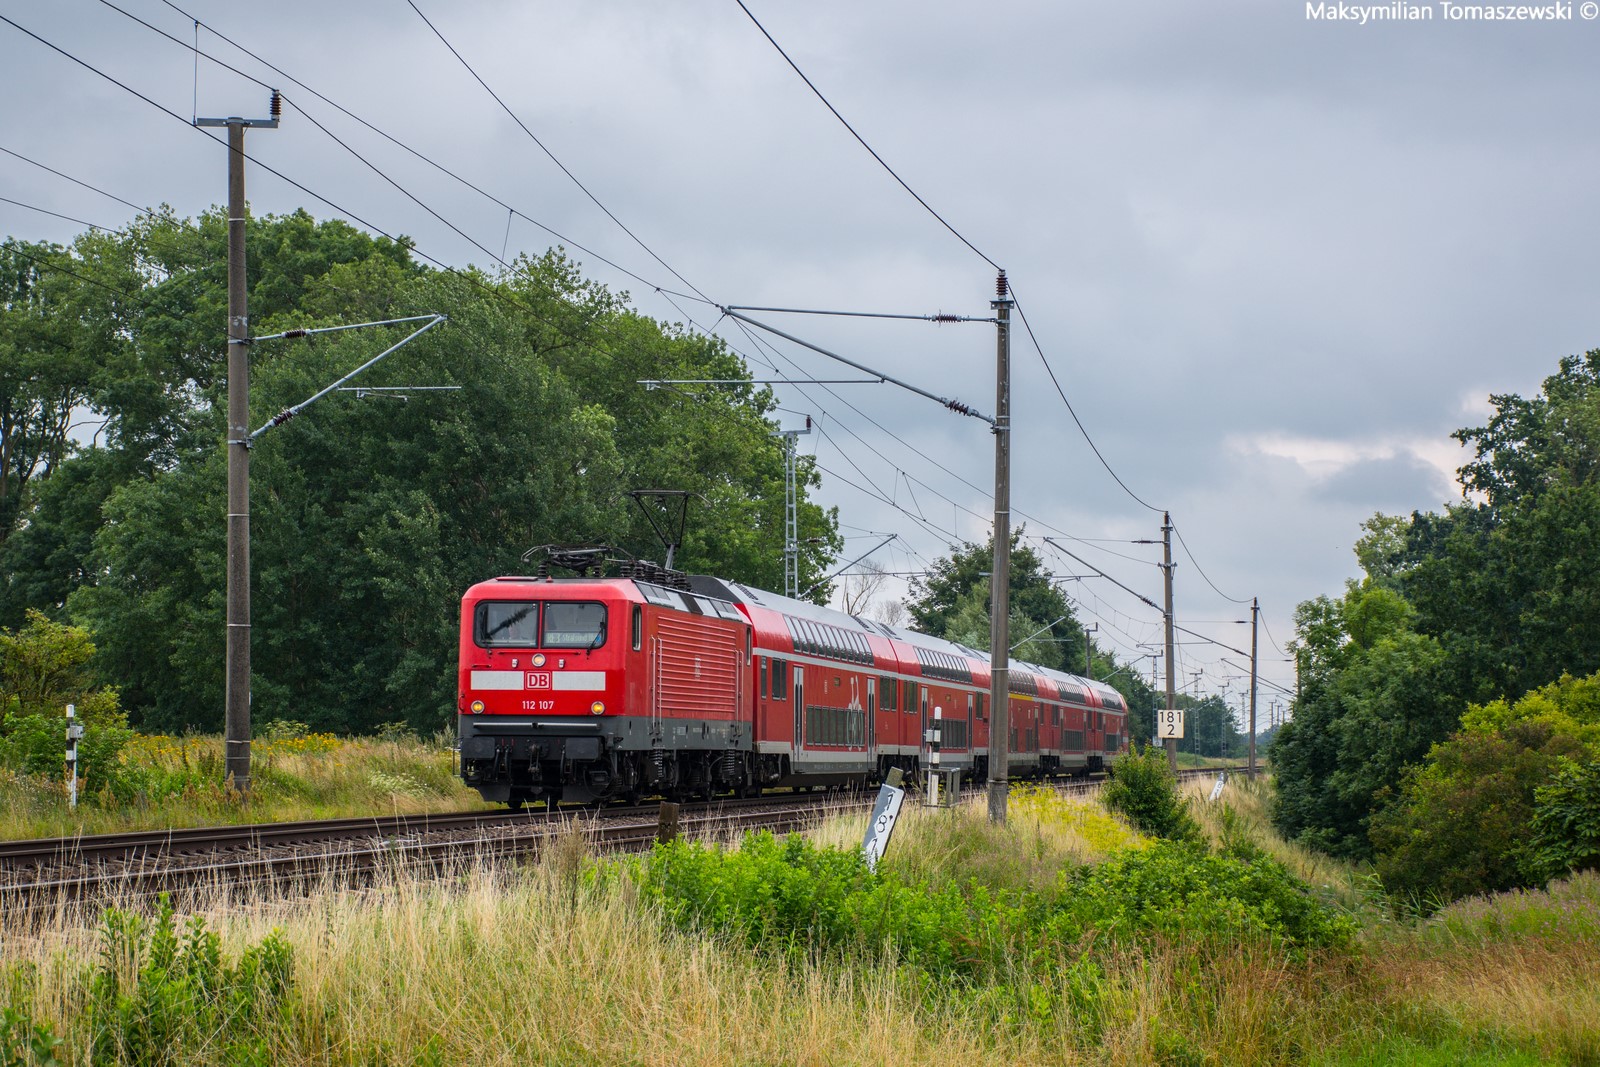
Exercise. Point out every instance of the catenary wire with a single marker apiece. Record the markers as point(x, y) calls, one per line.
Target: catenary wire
point(862, 140)
point(441, 168)
point(1202, 573)
point(596, 200)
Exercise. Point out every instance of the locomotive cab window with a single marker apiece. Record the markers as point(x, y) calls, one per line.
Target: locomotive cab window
point(506, 624)
point(638, 627)
point(574, 625)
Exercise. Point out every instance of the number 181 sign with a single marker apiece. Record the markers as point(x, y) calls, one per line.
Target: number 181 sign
point(1169, 722)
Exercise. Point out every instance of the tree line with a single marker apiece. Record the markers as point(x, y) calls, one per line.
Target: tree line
point(1448, 723)
point(370, 514)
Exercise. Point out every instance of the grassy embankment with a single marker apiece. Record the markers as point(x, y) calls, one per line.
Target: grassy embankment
point(576, 961)
point(178, 781)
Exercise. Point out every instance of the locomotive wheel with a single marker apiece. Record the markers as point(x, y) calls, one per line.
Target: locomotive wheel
point(516, 800)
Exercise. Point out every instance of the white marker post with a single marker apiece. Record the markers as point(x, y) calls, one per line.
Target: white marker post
point(935, 736)
point(884, 813)
point(74, 731)
point(1222, 780)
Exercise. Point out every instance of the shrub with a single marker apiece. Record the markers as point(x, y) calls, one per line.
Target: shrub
point(43, 667)
point(163, 997)
point(36, 745)
point(1144, 789)
point(1461, 823)
point(1178, 889)
point(1566, 821)
point(793, 896)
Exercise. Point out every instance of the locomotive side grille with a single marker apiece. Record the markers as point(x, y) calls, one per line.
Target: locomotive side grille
point(697, 669)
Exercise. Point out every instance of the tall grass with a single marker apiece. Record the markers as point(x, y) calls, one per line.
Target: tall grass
point(179, 781)
point(549, 964)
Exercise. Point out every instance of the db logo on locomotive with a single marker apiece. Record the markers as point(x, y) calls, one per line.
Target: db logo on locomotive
point(538, 679)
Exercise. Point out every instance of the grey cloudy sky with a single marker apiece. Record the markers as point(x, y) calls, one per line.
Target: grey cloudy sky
point(1273, 260)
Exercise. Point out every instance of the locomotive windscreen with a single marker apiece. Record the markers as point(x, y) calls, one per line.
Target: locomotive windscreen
point(578, 625)
point(506, 623)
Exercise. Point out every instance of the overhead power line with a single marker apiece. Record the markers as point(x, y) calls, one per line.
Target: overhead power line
point(440, 167)
point(862, 140)
point(1213, 585)
point(59, 215)
point(543, 148)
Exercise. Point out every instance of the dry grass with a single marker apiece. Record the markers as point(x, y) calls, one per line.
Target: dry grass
point(1045, 834)
point(179, 782)
point(544, 965)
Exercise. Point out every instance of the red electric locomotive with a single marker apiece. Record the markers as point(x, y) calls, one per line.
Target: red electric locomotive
point(586, 689)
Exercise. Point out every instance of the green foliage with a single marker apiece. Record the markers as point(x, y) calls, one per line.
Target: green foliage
point(1177, 889)
point(1566, 821)
point(1209, 727)
point(791, 896)
point(162, 996)
point(37, 746)
point(953, 602)
point(25, 1043)
point(1144, 789)
point(794, 898)
point(370, 515)
point(44, 667)
point(1376, 696)
point(1460, 825)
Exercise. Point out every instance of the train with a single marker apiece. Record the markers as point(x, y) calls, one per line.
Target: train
point(594, 689)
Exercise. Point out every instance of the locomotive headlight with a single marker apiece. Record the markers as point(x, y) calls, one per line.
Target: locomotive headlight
point(477, 707)
point(597, 708)
point(538, 659)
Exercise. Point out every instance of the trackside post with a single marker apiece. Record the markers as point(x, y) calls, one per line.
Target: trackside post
point(74, 732)
point(884, 814)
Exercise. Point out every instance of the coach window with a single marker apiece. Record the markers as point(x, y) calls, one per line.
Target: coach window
point(780, 679)
point(762, 690)
point(911, 698)
point(506, 624)
point(574, 625)
point(638, 627)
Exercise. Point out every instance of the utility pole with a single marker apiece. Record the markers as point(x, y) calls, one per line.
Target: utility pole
point(1088, 663)
point(237, 706)
point(1000, 579)
point(1166, 573)
point(1255, 617)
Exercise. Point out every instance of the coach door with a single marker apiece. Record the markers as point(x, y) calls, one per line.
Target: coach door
point(927, 724)
point(799, 706)
point(872, 715)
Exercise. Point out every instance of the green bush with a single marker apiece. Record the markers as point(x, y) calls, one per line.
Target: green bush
point(1144, 789)
point(36, 745)
point(793, 897)
point(1461, 823)
point(162, 997)
point(1566, 821)
point(1179, 890)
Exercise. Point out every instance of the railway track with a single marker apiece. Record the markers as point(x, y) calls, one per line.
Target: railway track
point(59, 872)
point(68, 871)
